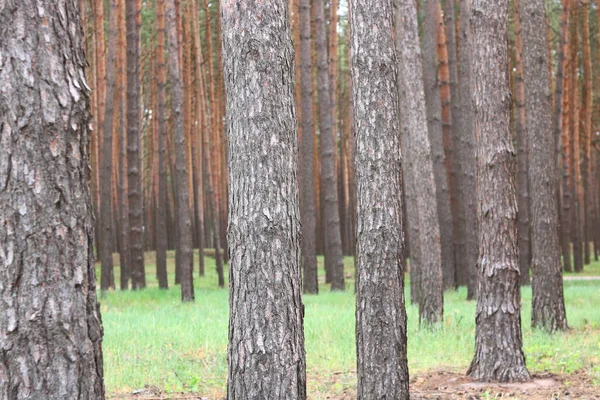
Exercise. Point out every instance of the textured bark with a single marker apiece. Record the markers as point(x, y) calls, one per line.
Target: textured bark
point(574, 167)
point(418, 163)
point(498, 343)
point(523, 196)
point(50, 326)
point(548, 306)
point(134, 159)
point(461, 273)
point(434, 125)
point(468, 151)
point(331, 215)
point(161, 216)
point(184, 222)
point(266, 341)
point(586, 130)
point(307, 155)
point(380, 314)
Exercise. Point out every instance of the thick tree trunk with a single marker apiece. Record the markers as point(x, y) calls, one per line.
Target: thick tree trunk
point(548, 307)
point(524, 233)
point(307, 155)
point(161, 216)
point(434, 125)
point(136, 206)
point(498, 344)
point(380, 314)
point(184, 223)
point(331, 216)
point(586, 129)
point(49, 316)
point(418, 165)
point(468, 150)
point(266, 341)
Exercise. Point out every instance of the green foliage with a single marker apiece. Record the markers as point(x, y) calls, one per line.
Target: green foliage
point(152, 339)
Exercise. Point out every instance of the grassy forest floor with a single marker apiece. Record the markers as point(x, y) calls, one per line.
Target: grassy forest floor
point(155, 347)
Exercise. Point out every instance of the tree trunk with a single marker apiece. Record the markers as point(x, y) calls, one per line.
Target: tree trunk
point(434, 125)
point(380, 314)
point(333, 241)
point(498, 344)
point(307, 155)
point(49, 315)
point(524, 234)
point(548, 306)
point(266, 310)
point(161, 217)
point(184, 223)
point(468, 150)
point(136, 206)
point(586, 130)
point(418, 165)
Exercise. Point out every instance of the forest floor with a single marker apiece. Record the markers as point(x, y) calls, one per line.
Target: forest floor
point(157, 348)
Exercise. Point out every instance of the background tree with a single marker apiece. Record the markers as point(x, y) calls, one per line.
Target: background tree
point(48, 307)
point(266, 311)
point(380, 315)
point(498, 344)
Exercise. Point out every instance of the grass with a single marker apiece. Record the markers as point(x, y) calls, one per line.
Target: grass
point(151, 339)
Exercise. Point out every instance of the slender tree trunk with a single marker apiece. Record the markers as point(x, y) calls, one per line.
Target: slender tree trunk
point(161, 217)
point(380, 314)
point(548, 306)
point(523, 199)
point(100, 88)
point(266, 310)
point(333, 242)
point(434, 124)
point(498, 343)
point(136, 206)
point(184, 223)
point(586, 130)
point(50, 321)
point(307, 155)
point(418, 165)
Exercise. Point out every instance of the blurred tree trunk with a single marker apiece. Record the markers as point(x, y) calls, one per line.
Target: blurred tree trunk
point(498, 343)
point(380, 312)
point(49, 315)
point(418, 165)
point(548, 305)
point(586, 129)
point(266, 311)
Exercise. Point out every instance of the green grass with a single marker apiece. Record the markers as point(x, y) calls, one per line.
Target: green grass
point(152, 339)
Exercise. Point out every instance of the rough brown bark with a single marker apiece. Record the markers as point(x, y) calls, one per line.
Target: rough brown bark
point(50, 326)
point(586, 130)
point(266, 341)
point(523, 196)
point(468, 150)
point(307, 155)
point(331, 222)
point(548, 306)
point(380, 314)
point(134, 159)
point(418, 163)
point(161, 216)
point(184, 222)
point(434, 125)
point(498, 344)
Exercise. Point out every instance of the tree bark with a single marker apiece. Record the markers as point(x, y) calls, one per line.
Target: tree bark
point(434, 125)
point(498, 343)
point(586, 130)
point(333, 242)
point(418, 165)
point(134, 159)
point(548, 306)
point(50, 321)
point(266, 355)
point(161, 217)
point(380, 314)
point(307, 155)
point(184, 223)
